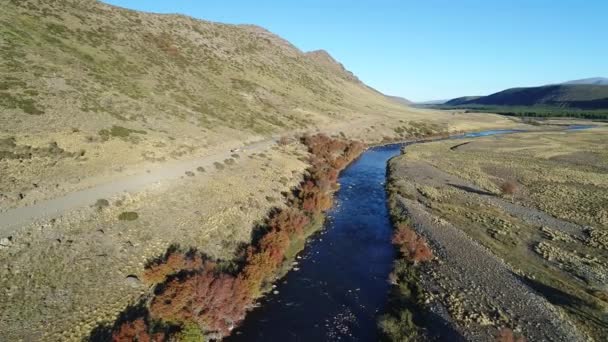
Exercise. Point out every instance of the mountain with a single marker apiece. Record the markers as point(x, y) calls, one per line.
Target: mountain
point(592, 81)
point(323, 58)
point(461, 100)
point(581, 96)
point(432, 102)
point(94, 65)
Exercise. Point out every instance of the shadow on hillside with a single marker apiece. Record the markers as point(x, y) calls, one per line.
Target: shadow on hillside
point(471, 190)
point(563, 299)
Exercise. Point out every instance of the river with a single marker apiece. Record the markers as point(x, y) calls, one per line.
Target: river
point(339, 286)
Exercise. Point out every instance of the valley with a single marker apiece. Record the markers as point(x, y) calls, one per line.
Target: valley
point(167, 178)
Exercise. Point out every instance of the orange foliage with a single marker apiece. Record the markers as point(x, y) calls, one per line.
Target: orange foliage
point(216, 300)
point(136, 331)
point(412, 246)
point(172, 263)
point(292, 221)
point(509, 187)
point(507, 335)
point(207, 298)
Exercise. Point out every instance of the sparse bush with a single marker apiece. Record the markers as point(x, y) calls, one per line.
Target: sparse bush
point(229, 161)
point(399, 327)
point(507, 335)
point(101, 203)
point(509, 188)
point(136, 330)
point(128, 216)
point(412, 246)
point(200, 169)
point(219, 165)
point(283, 141)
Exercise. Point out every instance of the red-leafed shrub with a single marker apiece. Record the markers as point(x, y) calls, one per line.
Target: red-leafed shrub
point(413, 247)
point(207, 298)
point(507, 335)
point(136, 331)
point(171, 263)
point(292, 221)
point(193, 291)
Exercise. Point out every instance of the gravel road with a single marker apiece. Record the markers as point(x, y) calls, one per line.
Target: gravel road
point(12, 219)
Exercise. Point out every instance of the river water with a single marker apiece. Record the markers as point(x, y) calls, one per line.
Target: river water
point(339, 286)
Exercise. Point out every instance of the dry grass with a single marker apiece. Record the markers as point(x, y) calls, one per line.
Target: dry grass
point(563, 174)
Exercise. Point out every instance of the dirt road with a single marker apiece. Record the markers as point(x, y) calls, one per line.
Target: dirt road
point(44, 210)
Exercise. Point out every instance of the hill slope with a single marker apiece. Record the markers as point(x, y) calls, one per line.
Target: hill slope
point(400, 100)
point(583, 96)
point(149, 71)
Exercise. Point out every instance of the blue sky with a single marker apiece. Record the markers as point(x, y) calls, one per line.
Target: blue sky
point(431, 49)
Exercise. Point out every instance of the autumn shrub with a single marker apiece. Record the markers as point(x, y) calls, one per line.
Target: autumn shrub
point(507, 335)
point(172, 262)
point(509, 188)
point(291, 221)
point(413, 247)
point(136, 331)
point(193, 291)
point(206, 298)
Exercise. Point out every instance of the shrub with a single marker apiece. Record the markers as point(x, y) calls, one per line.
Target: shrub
point(412, 246)
point(399, 327)
point(219, 165)
point(195, 293)
point(509, 188)
point(283, 141)
point(172, 262)
point(101, 203)
point(507, 335)
point(128, 216)
point(136, 330)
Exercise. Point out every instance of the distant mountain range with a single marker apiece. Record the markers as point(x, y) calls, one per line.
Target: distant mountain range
point(591, 93)
point(592, 81)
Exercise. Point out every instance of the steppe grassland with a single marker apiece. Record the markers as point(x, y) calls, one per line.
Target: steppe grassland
point(91, 91)
point(564, 174)
point(74, 271)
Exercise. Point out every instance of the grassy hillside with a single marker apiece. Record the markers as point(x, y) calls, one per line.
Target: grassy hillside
point(400, 100)
point(93, 64)
point(581, 96)
point(589, 101)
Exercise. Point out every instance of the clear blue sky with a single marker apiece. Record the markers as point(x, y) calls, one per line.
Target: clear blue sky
point(430, 49)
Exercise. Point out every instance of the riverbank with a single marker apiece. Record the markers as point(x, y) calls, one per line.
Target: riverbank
point(499, 255)
point(212, 206)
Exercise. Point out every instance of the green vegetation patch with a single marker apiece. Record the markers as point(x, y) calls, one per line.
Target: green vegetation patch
point(118, 132)
point(128, 216)
point(26, 104)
